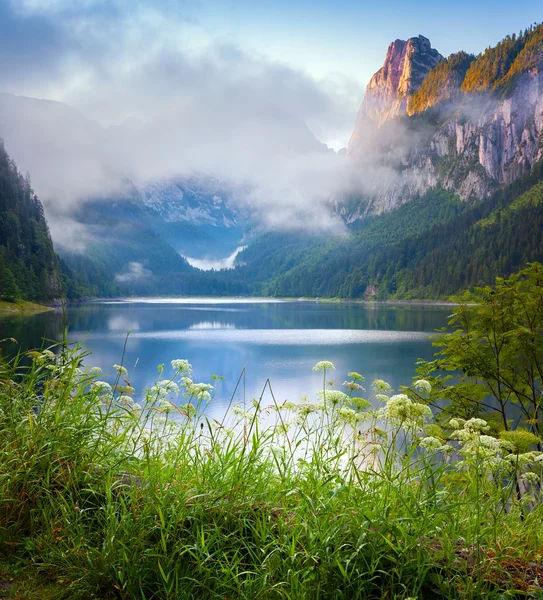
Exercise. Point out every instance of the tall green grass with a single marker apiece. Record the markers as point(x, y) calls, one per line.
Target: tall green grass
point(343, 497)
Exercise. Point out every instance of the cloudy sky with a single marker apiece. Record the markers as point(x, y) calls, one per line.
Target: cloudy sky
point(117, 59)
point(238, 89)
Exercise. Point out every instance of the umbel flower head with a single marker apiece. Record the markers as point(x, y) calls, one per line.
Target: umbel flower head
point(182, 366)
point(434, 444)
point(402, 411)
point(324, 365)
point(334, 397)
point(121, 370)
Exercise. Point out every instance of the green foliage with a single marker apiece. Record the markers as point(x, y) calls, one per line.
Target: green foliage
point(521, 439)
point(9, 289)
point(496, 343)
point(26, 250)
point(443, 82)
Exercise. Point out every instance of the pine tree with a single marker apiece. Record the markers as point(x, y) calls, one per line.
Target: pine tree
point(9, 289)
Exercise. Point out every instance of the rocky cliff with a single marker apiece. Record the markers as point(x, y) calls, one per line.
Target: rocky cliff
point(387, 95)
point(470, 140)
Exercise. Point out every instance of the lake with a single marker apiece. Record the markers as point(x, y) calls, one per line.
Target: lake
point(279, 340)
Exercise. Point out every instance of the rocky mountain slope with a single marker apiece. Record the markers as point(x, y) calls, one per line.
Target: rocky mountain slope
point(199, 216)
point(469, 125)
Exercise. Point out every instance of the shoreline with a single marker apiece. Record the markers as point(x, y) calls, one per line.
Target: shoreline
point(22, 308)
point(263, 299)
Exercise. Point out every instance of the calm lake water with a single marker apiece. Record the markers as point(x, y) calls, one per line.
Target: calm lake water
point(279, 340)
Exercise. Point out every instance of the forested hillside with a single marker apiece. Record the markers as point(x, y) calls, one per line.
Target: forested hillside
point(442, 82)
point(431, 247)
point(498, 67)
point(28, 266)
point(125, 255)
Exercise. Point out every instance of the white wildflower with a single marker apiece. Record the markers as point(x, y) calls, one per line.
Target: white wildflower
point(476, 425)
point(356, 376)
point(527, 459)
point(380, 386)
point(381, 397)
point(324, 365)
point(188, 410)
point(530, 478)
point(180, 365)
point(352, 386)
point(125, 389)
point(102, 386)
point(348, 415)
point(127, 401)
point(431, 443)
point(158, 391)
point(197, 390)
point(121, 370)
point(456, 424)
point(163, 388)
point(421, 385)
point(164, 406)
point(239, 411)
point(95, 370)
point(307, 408)
point(401, 411)
point(334, 397)
point(282, 428)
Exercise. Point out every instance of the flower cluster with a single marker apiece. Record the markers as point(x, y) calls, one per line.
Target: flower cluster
point(334, 397)
point(421, 385)
point(200, 391)
point(381, 387)
point(164, 388)
point(400, 410)
point(324, 365)
point(182, 366)
point(121, 371)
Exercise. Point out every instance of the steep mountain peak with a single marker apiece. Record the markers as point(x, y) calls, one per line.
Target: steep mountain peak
point(407, 63)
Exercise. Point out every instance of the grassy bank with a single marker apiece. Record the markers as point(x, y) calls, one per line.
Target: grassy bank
point(21, 307)
point(336, 497)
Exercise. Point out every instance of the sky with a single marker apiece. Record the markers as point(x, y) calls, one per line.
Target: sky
point(242, 90)
point(83, 51)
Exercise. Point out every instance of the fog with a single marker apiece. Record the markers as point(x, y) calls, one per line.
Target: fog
point(207, 264)
point(140, 98)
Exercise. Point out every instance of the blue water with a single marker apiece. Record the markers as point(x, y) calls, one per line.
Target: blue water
point(276, 340)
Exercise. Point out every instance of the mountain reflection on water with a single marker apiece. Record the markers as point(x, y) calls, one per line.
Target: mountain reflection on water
point(278, 340)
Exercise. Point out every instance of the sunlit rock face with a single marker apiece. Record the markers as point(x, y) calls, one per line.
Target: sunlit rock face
point(406, 65)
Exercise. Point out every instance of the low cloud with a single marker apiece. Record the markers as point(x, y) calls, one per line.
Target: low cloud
point(135, 272)
point(156, 102)
point(207, 264)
